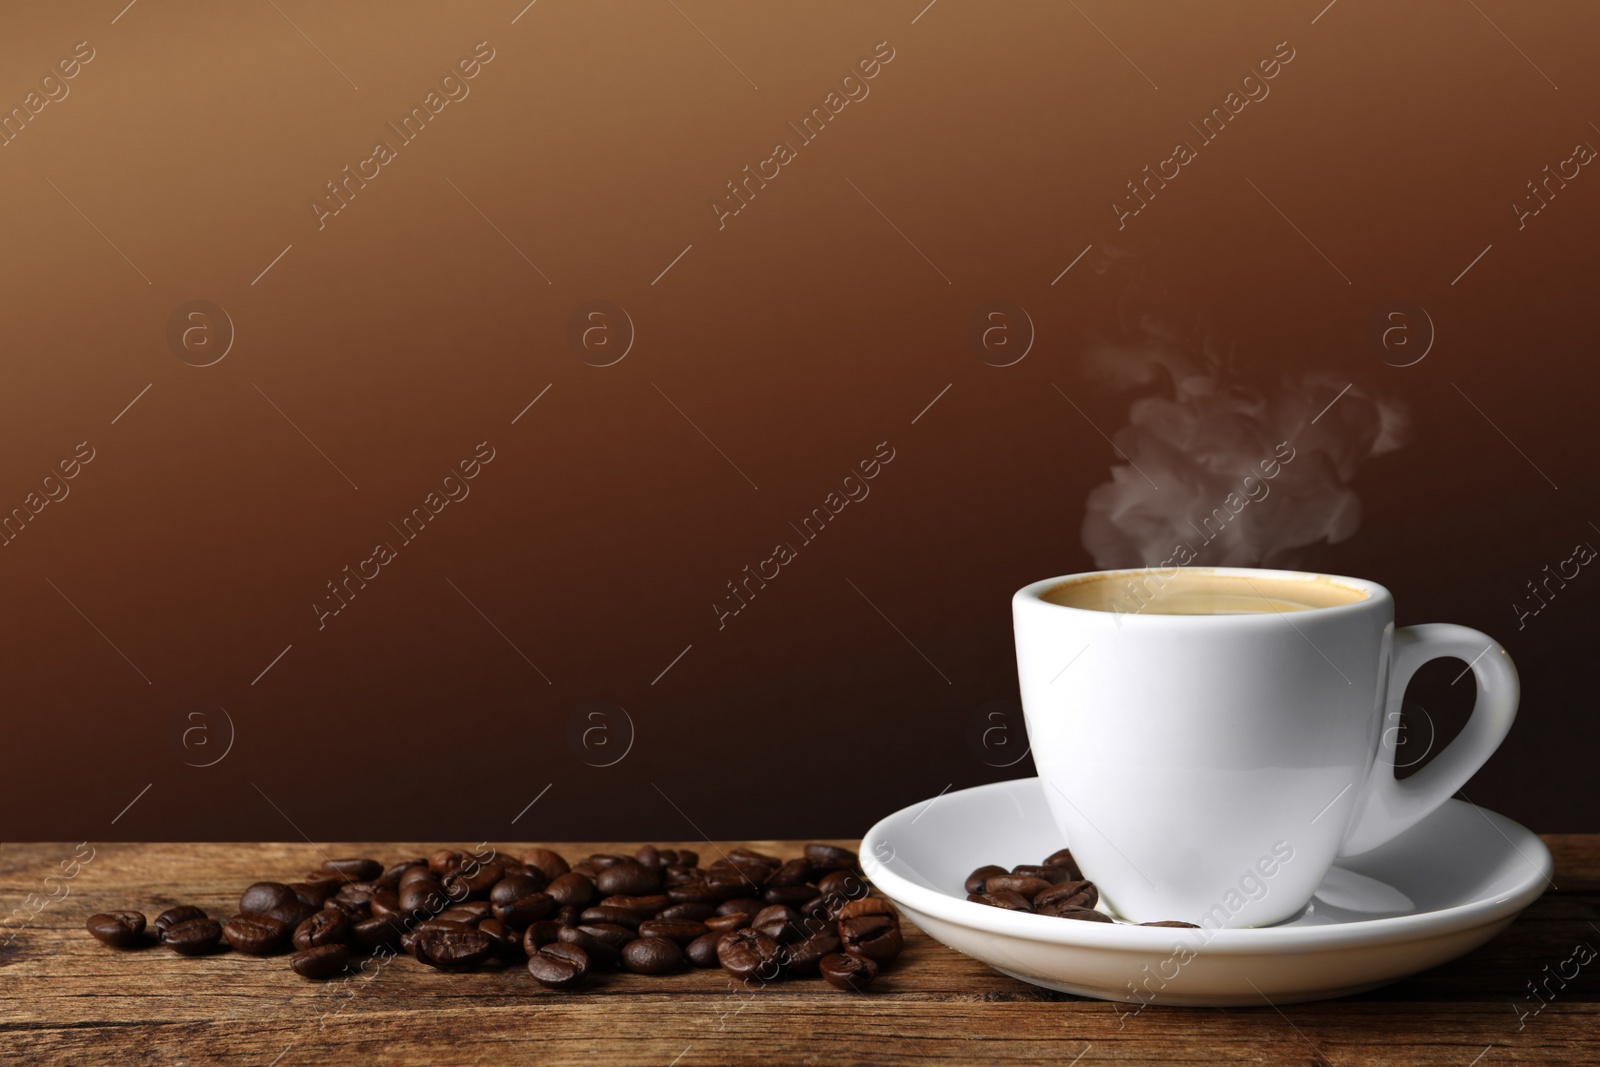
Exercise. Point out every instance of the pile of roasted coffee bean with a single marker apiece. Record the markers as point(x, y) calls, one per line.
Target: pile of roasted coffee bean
point(1054, 887)
point(758, 917)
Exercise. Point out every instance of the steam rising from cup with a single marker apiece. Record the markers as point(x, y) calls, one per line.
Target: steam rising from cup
point(1241, 474)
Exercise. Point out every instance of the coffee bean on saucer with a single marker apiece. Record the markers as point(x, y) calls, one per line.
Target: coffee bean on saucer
point(192, 937)
point(1079, 894)
point(1087, 914)
point(173, 916)
point(256, 935)
point(1176, 924)
point(356, 870)
point(1005, 899)
point(1022, 885)
point(976, 880)
point(1053, 875)
point(326, 927)
point(846, 972)
point(747, 953)
point(830, 858)
point(118, 929)
point(652, 955)
point(875, 936)
point(559, 965)
point(1063, 858)
point(702, 951)
point(321, 961)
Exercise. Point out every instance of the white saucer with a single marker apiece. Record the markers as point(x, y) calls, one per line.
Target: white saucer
point(1439, 890)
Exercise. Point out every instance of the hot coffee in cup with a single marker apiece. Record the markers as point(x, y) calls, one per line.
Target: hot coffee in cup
point(1209, 740)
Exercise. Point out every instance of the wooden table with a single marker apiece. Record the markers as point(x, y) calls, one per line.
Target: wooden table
point(64, 998)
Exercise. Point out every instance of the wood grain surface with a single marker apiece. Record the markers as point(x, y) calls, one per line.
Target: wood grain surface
point(66, 999)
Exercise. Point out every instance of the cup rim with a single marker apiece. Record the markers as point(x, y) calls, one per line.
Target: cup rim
point(1375, 595)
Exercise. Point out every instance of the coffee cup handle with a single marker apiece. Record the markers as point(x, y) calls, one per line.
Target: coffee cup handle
point(1391, 805)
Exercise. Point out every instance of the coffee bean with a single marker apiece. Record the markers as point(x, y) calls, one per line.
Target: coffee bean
point(175, 915)
point(539, 934)
point(321, 878)
point(803, 957)
point(507, 942)
point(559, 965)
point(702, 951)
point(314, 893)
point(792, 895)
point(514, 887)
point(600, 953)
point(416, 872)
point(606, 913)
point(854, 909)
point(551, 864)
point(1175, 924)
point(1015, 883)
point(846, 884)
point(748, 905)
point(376, 932)
point(652, 955)
point(628, 878)
point(748, 953)
point(256, 935)
point(697, 892)
point(323, 961)
point(262, 897)
point(729, 880)
point(118, 929)
point(1053, 875)
point(778, 922)
point(1067, 911)
point(422, 893)
point(291, 913)
point(525, 910)
point(471, 911)
point(727, 923)
point(611, 933)
point(192, 937)
point(749, 855)
point(875, 936)
point(447, 861)
point(390, 878)
point(567, 915)
point(846, 972)
point(679, 931)
point(1063, 858)
point(357, 870)
point(451, 946)
point(1076, 893)
point(384, 902)
point(644, 907)
point(473, 881)
point(681, 875)
point(571, 888)
point(976, 880)
point(1007, 900)
point(830, 858)
point(794, 872)
point(692, 911)
point(601, 860)
point(324, 928)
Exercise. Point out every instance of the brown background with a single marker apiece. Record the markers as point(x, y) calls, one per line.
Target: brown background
point(796, 338)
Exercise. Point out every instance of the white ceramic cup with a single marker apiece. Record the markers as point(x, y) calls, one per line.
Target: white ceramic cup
point(1210, 768)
